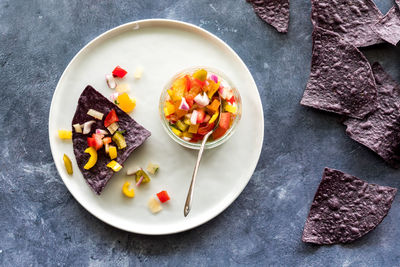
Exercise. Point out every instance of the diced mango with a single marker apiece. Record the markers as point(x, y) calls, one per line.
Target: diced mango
point(126, 103)
point(178, 88)
point(170, 92)
point(200, 75)
point(193, 128)
point(212, 90)
point(169, 108)
point(214, 106)
point(176, 131)
point(187, 134)
point(64, 134)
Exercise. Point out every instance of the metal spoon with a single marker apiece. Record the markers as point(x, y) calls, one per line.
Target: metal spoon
point(189, 197)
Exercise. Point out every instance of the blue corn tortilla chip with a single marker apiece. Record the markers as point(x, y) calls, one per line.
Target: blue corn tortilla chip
point(273, 12)
point(380, 131)
point(353, 20)
point(345, 208)
point(341, 79)
point(98, 176)
point(388, 28)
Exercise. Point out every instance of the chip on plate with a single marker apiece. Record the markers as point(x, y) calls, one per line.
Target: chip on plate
point(341, 79)
point(98, 176)
point(380, 131)
point(274, 12)
point(345, 208)
point(388, 28)
point(353, 20)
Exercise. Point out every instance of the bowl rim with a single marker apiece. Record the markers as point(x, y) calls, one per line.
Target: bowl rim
point(165, 122)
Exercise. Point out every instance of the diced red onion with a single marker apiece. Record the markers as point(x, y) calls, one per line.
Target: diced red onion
point(186, 138)
point(140, 181)
point(202, 99)
point(111, 81)
point(87, 126)
point(101, 131)
point(78, 128)
point(193, 118)
point(214, 78)
point(184, 105)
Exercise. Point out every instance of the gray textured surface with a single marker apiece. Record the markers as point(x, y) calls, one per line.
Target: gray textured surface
point(41, 223)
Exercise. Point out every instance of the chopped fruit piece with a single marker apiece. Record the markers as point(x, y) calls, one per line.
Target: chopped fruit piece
point(119, 139)
point(128, 192)
point(214, 117)
point(178, 88)
point(176, 131)
point(115, 166)
point(138, 73)
point(219, 132)
point(188, 83)
point(163, 196)
point(187, 135)
point(154, 205)
point(230, 108)
point(214, 106)
point(112, 151)
point(64, 134)
point(119, 72)
point(182, 126)
point(213, 89)
point(152, 168)
point(225, 120)
point(68, 164)
point(111, 118)
point(93, 158)
point(122, 88)
point(169, 108)
point(113, 127)
point(200, 75)
point(193, 128)
point(95, 114)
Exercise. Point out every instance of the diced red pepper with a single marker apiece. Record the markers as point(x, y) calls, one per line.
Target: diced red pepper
point(200, 115)
point(95, 141)
point(204, 130)
point(219, 132)
point(111, 118)
point(119, 72)
point(163, 196)
point(189, 100)
point(225, 120)
point(188, 83)
point(106, 140)
point(231, 100)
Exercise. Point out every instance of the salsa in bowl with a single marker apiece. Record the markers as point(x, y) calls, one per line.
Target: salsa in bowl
point(197, 100)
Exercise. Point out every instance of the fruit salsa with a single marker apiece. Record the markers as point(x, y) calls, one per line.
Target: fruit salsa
point(192, 106)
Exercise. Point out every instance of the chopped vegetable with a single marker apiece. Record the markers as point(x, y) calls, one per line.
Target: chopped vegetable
point(95, 141)
point(200, 75)
point(95, 114)
point(204, 130)
point(193, 118)
point(68, 164)
point(214, 78)
point(138, 73)
point(176, 131)
point(111, 118)
point(122, 88)
point(141, 173)
point(163, 196)
point(184, 105)
point(111, 81)
point(152, 168)
point(101, 131)
point(202, 100)
point(200, 116)
point(213, 89)
point(214, 106)
point(106, 140)
point(169, 108)
point(132, 171)
point(112, 151)
point(93, 158)
point(225, 120)
point(77, 127)
point(115, 166)
point(193, 128)
point(126, 103)
point(64, 134)
point(87, 126)
point(140, 181)
point(230, 108)
point(113, 127)
point(214, 117)
point(182, 126)
point(154, 205)
point(107, 148)
point(119, 139)
point(129, 192)
point(119, 72)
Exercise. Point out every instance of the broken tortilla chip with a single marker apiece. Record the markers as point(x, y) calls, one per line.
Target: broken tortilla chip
point(345, 208)
point(341, 79)
point(388, 28)
point(274, 12)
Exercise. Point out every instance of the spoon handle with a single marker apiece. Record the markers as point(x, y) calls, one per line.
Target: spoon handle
point(188, 202)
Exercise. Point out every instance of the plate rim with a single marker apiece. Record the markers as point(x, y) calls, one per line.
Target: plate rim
point(172, 23)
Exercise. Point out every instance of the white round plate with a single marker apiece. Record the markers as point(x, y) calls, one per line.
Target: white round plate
point(161, 47)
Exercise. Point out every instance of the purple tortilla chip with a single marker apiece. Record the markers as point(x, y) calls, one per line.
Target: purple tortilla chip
point(380, 131)
point(135, 134)
point(353, 20)
point(273, 12)
point(341, 79)
point(388, 28)
point(345, 208)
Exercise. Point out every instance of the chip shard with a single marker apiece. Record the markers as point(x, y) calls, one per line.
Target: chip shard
point(273, 12)
point(345, 208)
point(388, 28)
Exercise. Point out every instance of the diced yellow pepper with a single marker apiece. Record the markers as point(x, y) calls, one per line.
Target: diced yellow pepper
point(176, 131)
point(126, 103)
point(112, 151)
point(126, 191)
point(200, 74)
point(193, 128)
point(119, 139)
point(213, 117)
point(115, 166)
point(68, 164)
point(169, 108)
point(212, 90)
point(93, 158)
point(182, 126)
point(64, 134)
point(230, 108)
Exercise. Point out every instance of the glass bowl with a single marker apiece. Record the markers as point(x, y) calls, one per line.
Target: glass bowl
point(209, 144)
